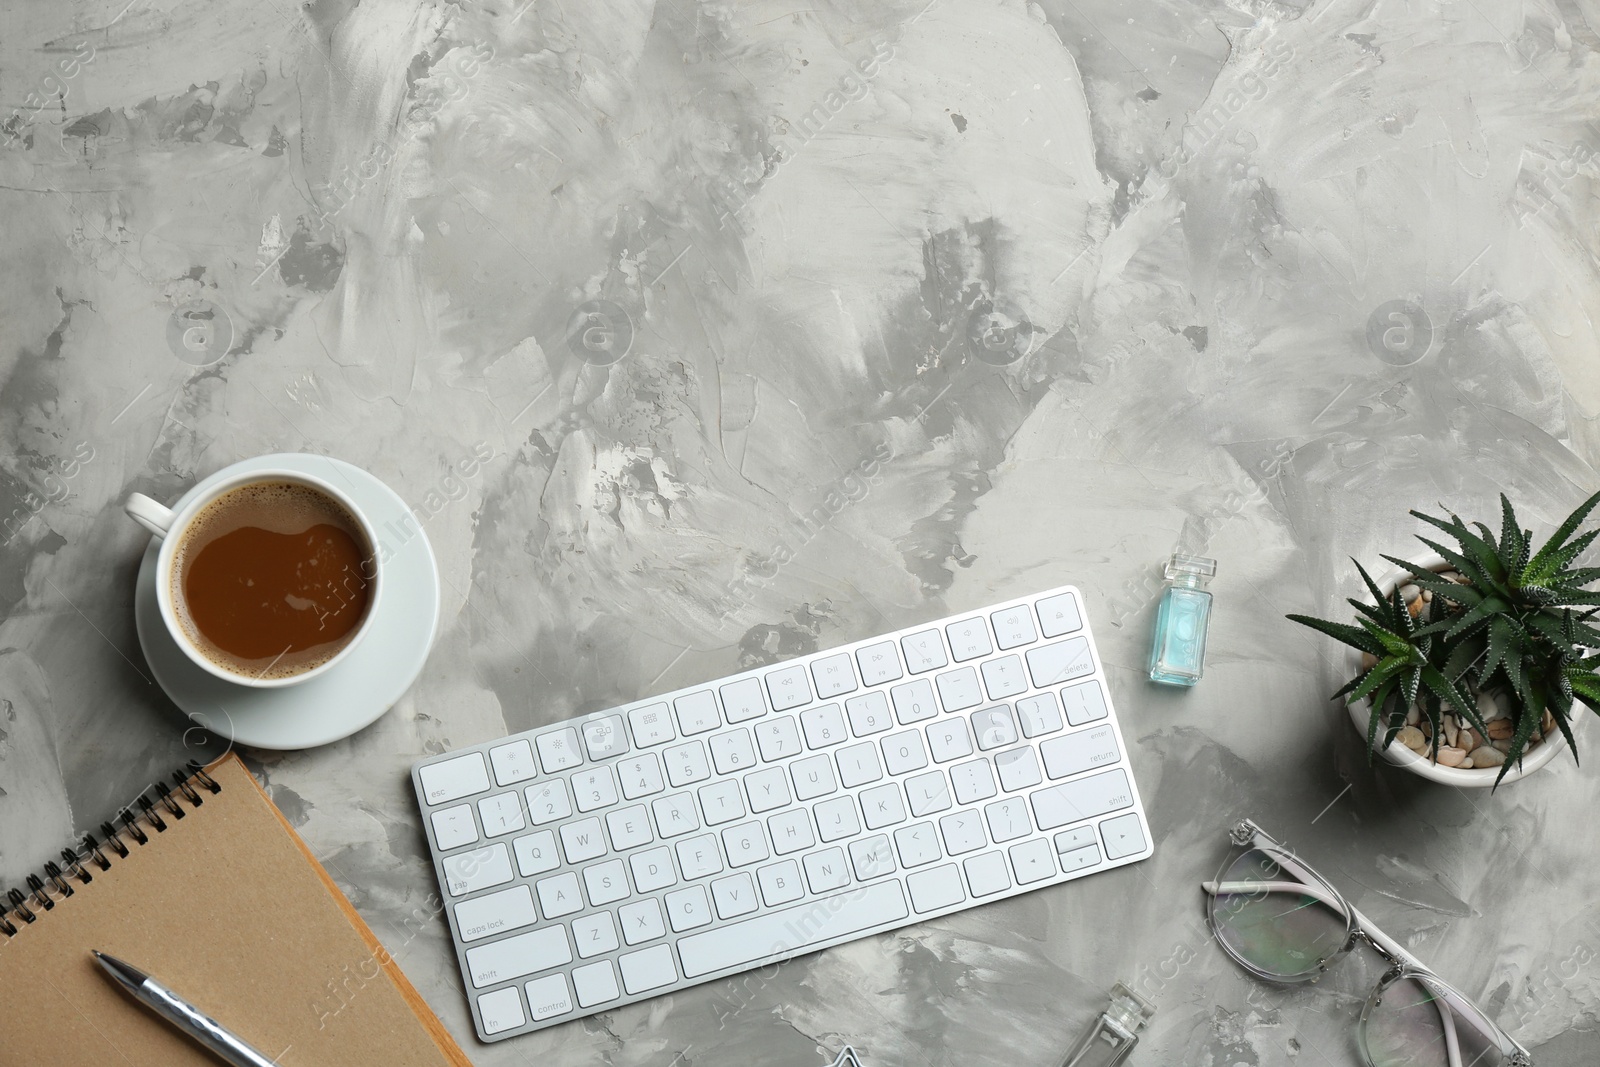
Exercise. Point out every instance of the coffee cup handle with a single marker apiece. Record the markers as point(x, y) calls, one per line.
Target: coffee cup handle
point(147, 513)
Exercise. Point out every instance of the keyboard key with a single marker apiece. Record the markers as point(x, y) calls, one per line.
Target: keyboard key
point(594, 788)
point(870, 857)
point(495, 913)
point(935, 889)
point(640, 776)
point(650, 969)
point(823, 726)
point(825, 870)
point(791, 830)
point(454, 778)
point(879, 663)
point(529, 953)
point(903, 752)
point(1040, 714)
point(881, 806)
point(1003, 677)
point(973, 781)
point(1075, 838)
point(1033, 861)
point(1008, 820)
point(652, 725)
point(858, 765)
point(1082, 798)
point(453, 827)
point(605, 737)
point(734, 896)
point(513, 763)
point(914, 702)
point(687, 908)
point(697, 713)
point(641, 921)
point(1018, 769)
point(501, 814)
point(595, 984)
point(652, 869)
point(869, 713)
point(675, 815)
point(686, 764)
point(836, 819)
point(484, 868)
point(777, 738)
point(1080, 859)
point(788, 688)
point(1061, 662)
point(924, 651)
point(780, 883)
point(834, 676)
point(768, 789)
point(732, 751)
point(1124, 836)
point(630, 827)
point(721, 801)
point(958, 689)
point(501, 1010)
point(558, 750)
point(1085, 702)
point(1013, 627)
point(948, 739)
point(536, 853)
point(987, 874)
point(698, 857)
point(559, 895)
point(962, 832)
point(743, 700)
point(969, 639)
point(918, 845)
point(745, 942)
point(993, 727)
point(1059, 615)
point(582, 840)
point(927, 793)
point(606, 882)
point(745, 844)
point(548, 801)
point(813, 777)
point(548, 996)
point(1080, 751)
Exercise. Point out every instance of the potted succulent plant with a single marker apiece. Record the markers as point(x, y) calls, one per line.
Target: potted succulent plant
point(1475, 658)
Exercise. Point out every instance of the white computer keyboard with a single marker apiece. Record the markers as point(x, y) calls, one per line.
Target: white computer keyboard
point(690, 836)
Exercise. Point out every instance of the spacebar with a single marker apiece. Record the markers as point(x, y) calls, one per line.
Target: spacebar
point(792, 930)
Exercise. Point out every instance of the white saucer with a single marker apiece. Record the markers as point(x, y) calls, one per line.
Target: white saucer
point(351, 695)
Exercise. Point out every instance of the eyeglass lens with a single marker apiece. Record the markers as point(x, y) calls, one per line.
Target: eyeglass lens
point(1284, 936)
point(1404, 1024)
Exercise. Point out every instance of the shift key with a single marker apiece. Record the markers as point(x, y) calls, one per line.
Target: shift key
point(1084, 798)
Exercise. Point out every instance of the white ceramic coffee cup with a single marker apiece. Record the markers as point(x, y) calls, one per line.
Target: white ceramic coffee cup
point(170, 526)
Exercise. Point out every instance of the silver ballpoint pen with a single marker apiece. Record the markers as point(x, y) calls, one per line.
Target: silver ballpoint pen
point(184, 1016)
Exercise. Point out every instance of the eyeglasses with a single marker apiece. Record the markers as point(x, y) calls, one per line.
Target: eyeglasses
point(1284, 923)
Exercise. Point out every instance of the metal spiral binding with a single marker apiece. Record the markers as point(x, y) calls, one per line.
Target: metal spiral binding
point(19, 908)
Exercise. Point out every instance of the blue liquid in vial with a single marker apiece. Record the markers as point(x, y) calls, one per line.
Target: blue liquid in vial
point(1178, 654)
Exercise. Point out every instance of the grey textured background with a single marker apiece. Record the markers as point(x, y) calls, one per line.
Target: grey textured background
point(1288, 269)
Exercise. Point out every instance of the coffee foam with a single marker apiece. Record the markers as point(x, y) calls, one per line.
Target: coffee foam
point(280, 507)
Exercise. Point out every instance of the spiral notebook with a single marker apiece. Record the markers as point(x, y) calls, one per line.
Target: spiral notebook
point(205, 886)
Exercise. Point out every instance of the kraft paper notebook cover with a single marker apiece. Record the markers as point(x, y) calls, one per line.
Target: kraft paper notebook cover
point(230, 910)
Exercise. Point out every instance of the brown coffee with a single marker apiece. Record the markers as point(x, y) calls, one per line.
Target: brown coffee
point(272, 580)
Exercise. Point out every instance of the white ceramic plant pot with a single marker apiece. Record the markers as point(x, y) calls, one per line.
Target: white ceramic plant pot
point(1401, 756)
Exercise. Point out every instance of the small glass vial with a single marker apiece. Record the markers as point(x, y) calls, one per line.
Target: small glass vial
point(1114, 1033)
point(1178, 653)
